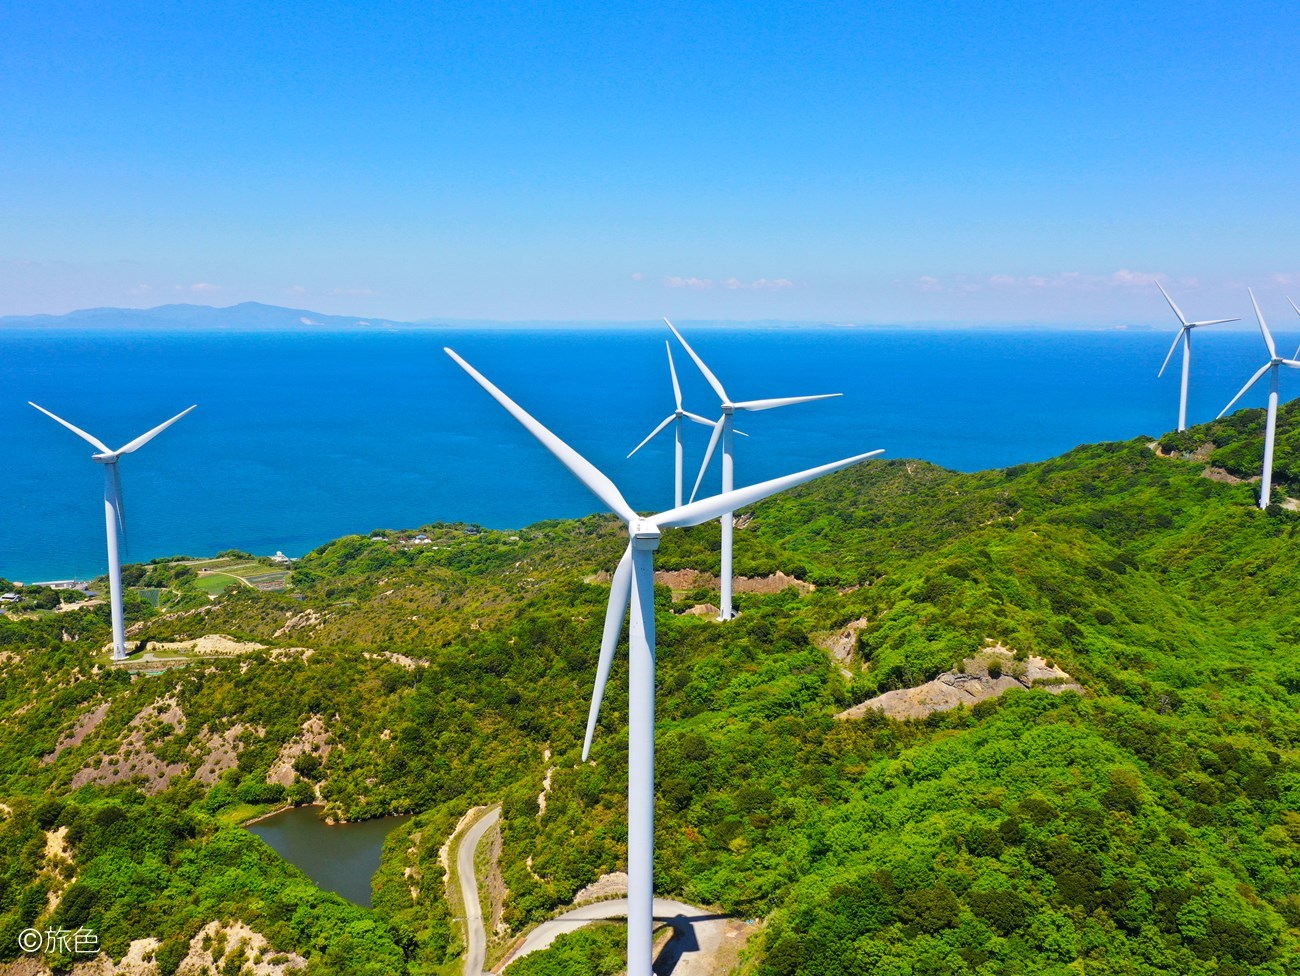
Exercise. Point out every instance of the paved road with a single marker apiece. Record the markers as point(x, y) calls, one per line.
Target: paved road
point(476, 948)
point(697, 934)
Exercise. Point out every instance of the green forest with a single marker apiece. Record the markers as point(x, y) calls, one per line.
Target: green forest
point(1149, 824)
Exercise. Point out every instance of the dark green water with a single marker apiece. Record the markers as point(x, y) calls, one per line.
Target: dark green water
point(342, 858)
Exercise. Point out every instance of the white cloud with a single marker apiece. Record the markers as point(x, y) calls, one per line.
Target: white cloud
point(638, 276)
point(296, 290)
point(1126, 277)
point(1071, 281)
point(204, 288)
point(1285, 279)
point(731, 284)
point(696, 284)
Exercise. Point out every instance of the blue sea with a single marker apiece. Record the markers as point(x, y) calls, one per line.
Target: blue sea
point(301, 438)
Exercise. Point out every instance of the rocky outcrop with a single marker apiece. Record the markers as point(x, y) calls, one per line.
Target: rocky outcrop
point(313, 738)
point(220, 751)
point(991, 672)
point(77, 734)
point(134, 760)
point(842, 644)
point(681, 580)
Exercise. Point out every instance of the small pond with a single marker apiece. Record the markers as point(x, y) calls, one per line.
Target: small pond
point(342, 858)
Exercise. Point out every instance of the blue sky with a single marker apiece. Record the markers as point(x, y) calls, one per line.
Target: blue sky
point(869, 162)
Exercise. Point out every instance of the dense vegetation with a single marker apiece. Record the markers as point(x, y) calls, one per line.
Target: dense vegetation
point(1149, 825)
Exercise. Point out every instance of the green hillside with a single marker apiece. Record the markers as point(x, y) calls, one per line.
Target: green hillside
point(1148, 825)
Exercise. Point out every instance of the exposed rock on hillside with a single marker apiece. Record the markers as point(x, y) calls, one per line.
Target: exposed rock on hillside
point(314, 738)
point(693, 579)
point(134, 759)
point(221, 752)
point(987, 674)
point(233, 947)
point(209, 645)
point(842, 643)
point(85, 725)
point(612, 885)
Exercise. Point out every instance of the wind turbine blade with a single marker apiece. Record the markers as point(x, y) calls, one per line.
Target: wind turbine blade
point(708, 455)
point(1197, 325)
point(710, 508)
point(782, 401)
point(666, 421)
point(582, 469)
point(708, 375)
point(1297, 311)
point(1293, 363)
point(1268, 338)
point(1182, 333)
point(1249, 383)
point(144, 439)
point(672, 371)
point(1177, 311)
point(118, 508)
point(619, 593)
point(697, 418)
point(76, 430)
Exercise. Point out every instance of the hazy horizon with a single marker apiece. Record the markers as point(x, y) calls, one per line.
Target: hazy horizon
point(334, 321)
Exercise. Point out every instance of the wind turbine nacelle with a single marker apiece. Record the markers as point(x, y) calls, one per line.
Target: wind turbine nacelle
point(645, 535)
point(104, 458)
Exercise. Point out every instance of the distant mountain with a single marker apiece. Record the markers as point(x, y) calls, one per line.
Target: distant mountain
point(245, 317)
point(257, 317)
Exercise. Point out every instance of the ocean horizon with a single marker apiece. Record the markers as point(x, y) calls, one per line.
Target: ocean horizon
point(300, 438)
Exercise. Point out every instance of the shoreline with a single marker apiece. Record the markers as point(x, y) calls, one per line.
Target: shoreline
point(279, 810)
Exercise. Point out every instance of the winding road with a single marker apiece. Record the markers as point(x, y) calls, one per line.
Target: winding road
point(476, 940)
point(698, 934)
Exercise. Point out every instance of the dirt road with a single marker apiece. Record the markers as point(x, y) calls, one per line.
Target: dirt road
point(476, 939)
point(697, 934)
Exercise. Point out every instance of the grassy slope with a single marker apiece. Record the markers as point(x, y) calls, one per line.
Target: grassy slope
point(1150, 826)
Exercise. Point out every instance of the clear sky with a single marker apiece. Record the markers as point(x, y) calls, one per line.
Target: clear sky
point(869, 161)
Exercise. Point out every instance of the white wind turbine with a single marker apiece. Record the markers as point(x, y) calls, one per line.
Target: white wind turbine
point(1274, 362)
point(678, 416)
point(722, 430)
point(113, 516)
point(633, 584)
point(1185, 337)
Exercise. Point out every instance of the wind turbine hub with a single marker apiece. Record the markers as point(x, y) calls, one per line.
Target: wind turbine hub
point(645, 534)
point(728, 408)
point(103, 458)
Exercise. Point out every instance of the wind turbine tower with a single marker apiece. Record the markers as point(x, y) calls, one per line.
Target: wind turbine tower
point(114, 523)
point(1270, 428)
point(676, 415)
point(723, 430)
point(1185, 337)
point(633, 585)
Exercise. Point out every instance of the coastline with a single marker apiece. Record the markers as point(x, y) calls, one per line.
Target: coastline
point(281, 809)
